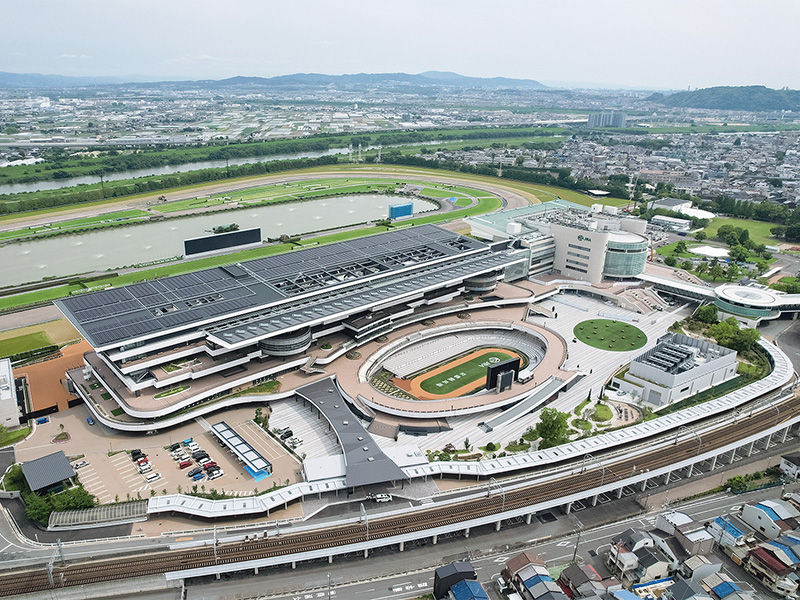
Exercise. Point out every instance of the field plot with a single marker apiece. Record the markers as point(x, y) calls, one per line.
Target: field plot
point(455, 377)
point(604, 334)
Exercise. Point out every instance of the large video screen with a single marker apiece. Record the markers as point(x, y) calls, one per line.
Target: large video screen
point(221, 241)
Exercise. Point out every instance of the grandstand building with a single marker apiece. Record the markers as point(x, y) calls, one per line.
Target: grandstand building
point(589, 244)
point(164, 345)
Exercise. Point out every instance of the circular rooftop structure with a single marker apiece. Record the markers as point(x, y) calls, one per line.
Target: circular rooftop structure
point(747, 296)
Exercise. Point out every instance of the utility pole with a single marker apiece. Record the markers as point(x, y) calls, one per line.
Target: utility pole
point(579, 525)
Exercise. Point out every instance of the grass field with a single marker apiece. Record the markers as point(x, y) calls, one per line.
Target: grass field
point(759, 230)
point(605, 334)
point(59, 331)
point(471, 371)
point(23, 343)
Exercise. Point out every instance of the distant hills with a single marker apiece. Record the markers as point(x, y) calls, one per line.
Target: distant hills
point(752, 97)
point(429, 78)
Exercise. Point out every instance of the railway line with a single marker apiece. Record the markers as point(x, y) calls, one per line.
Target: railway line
point(388, 527)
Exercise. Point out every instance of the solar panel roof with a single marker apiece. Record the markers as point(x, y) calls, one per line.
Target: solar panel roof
point(112, 316)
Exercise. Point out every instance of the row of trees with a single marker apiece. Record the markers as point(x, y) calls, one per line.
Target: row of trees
point(9, 203)
point(726, 333)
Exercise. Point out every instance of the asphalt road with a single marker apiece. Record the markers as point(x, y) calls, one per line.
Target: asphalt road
point(406, 575)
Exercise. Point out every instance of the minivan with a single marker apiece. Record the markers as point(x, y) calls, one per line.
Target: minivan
point(184, 464)
point(153, 477)
point(145, 468)
point(187, 441)
point(174, 447)
point(204, 460)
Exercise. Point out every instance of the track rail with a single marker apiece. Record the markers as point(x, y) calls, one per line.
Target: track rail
point(387, 527)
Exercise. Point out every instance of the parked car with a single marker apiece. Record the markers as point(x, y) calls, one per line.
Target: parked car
point(198, 476)
point(204, 461)
point(42, 420)
point(209, 465)
point(380, 497)
point(287, 433)
point(199, 454)
point(215, 473)
point(184, 464)
point(194, 472)
point(174, 447)
point(80, 465)
point(90, 420)
point(187, 441)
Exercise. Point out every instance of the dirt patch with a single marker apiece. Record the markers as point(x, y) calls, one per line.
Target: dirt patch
point(45, 378)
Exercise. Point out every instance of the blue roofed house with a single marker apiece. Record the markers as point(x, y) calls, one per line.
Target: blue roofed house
point(770, 518)
point(467, 589)
point(730, 531)
point(722, 587)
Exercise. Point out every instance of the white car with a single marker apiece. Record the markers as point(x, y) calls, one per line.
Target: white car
point(80, 465)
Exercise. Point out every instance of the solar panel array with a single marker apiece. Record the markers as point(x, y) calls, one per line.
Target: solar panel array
point(116, 315)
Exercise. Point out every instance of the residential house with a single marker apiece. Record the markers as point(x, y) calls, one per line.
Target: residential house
point(771, 571)
point(790, 465)
point(771, 517)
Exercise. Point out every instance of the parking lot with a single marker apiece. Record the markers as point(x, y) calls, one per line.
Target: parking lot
point(110, 474)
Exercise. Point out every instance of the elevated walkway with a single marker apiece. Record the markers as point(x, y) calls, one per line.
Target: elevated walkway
point(540, 394)
point(110, 514)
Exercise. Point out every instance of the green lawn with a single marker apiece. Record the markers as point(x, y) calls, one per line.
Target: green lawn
point(759, 230)
point(12, 437)
point(23, 343)
point(605, 334)
point(472, 371)
point(602, 413)
point(463, 202)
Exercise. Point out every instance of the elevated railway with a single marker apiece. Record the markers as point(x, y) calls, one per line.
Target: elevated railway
point(525, 497)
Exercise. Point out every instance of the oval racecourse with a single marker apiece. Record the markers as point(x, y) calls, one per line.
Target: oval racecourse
point(459, 377)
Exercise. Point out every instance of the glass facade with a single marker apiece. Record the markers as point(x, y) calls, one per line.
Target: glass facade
point(744, 311)
point(625, 259)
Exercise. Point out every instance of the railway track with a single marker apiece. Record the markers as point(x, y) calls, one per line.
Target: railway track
point(387, 527)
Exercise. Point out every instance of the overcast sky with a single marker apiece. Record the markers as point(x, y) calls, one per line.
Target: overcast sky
point(641, 43)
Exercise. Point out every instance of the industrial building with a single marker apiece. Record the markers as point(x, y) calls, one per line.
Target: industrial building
point(585, 243)
point(671, 223)
point(167, 344)
point(679, 366)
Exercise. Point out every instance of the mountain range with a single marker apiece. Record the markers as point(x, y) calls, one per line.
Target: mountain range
point(750, 98)
point(429, 78)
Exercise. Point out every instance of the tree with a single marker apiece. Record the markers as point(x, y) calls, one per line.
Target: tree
point(36, 507)
point(552, 427)
point(716, 271)
point(671, 261)
point(680, 247)
point(738, 253)
point(686, 265)
point(701, 268)
point(700, 236)
point(466, 444)
point(706, 314)
point(733, 272)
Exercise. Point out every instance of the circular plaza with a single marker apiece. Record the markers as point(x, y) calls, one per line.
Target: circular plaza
point(442, 371)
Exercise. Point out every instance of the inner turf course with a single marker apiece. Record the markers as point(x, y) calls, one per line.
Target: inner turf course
point(455, 377)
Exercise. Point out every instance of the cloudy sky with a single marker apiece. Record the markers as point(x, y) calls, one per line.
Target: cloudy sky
point(639, 43)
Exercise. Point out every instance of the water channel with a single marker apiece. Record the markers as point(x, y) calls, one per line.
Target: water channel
point(15, 188)
point(113, 248)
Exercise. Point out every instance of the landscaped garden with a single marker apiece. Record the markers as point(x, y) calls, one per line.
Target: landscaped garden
point(606, 334)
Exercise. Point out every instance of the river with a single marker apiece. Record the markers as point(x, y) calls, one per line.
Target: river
point(56, 184)
point(117, 247)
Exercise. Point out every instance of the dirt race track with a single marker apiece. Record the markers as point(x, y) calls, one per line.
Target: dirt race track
point(414, 385)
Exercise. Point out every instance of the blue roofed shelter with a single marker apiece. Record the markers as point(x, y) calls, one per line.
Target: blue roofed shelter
point(48, 473)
